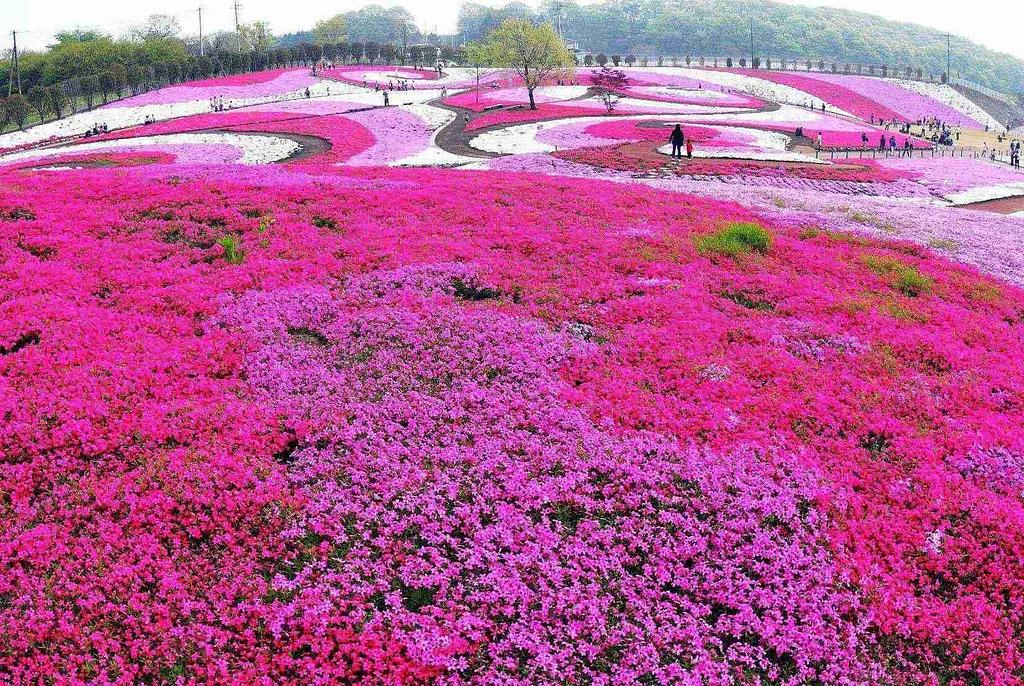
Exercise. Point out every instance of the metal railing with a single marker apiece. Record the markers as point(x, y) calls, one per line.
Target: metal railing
point(921, 153)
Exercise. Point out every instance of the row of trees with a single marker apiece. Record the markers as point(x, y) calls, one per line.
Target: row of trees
point(85, 69)
point(723, 27)
point(600, 60)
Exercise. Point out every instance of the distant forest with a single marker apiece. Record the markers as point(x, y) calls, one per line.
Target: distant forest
point(721, 28)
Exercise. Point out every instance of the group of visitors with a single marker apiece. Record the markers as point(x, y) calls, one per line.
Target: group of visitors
point(890, 147)
point(321, 65)
point(932, 129)
point(402, 86)
point(150, 119)
point(217, 103)
point(96, 130)
point(678, 140)
point(1015, 154)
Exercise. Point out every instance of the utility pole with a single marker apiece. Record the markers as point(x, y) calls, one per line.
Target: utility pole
point(200, 10)
point(15, 76)
point(238, 29)
point(948, 60)
point(751, 43)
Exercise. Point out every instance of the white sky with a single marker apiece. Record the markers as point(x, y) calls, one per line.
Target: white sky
point(998, 24)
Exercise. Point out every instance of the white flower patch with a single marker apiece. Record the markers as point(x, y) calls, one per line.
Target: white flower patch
point(252, 149)
point(760, 155)
point(703, 94)
point(638, 105)
point(751, 85)
point(792, 116)
point(436, 119)
point(517, 140)
point(984, 193)
point(949, 96)
point(125, 117)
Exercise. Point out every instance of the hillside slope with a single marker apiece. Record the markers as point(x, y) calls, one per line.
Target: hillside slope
point(722, 28)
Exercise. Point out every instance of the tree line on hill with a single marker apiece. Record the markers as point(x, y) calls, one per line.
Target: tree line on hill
point(722, 28)
point(84, 68)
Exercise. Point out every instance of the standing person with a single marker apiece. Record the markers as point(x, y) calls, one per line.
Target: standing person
point(676, 139)
point(881, 143)
point(387, 100)
point(689, 148)
point(819, 140)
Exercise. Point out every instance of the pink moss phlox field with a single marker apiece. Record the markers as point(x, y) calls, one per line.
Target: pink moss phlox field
point(837, 94)
point(524, 115)
point(909, 104)
point(384, 76)
point(346, 136)
point(692, 96)
point(436, 427)
point(647, 130)
point(643, 159)
point(255, 85)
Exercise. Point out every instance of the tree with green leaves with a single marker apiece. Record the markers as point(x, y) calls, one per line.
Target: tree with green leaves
point(478, 55)
point(257, 35)
point(39, 100)
point(108, 85)
point(329, 32)
point(57, 100)
point(16, 110)
point(534, 53)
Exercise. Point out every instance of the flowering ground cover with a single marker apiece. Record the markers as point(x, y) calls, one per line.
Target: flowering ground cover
point(417, 79)
point(345, 136)
point(585, 416)
point(356, 467)
point(242, 86)
point(868, 96)
point(847, 94)
point(691, 96)
point(644, 159)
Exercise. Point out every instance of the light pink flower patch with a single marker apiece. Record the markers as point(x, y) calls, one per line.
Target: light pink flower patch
point(243, 86)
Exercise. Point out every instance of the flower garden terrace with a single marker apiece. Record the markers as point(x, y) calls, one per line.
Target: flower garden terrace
point(318, 391)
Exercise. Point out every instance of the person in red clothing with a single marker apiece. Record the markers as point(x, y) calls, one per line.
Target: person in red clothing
point(689, 147)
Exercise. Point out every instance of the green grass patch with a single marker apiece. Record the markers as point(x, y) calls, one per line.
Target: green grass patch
point(749, 299)
point(944, 244)
point(735, 239)
point(904, 278)
point(232, 246)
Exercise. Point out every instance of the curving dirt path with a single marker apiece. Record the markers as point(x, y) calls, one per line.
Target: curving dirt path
point(455, 138)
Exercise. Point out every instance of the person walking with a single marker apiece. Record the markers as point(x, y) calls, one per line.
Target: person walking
point(881, 143)
point(676, 139)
